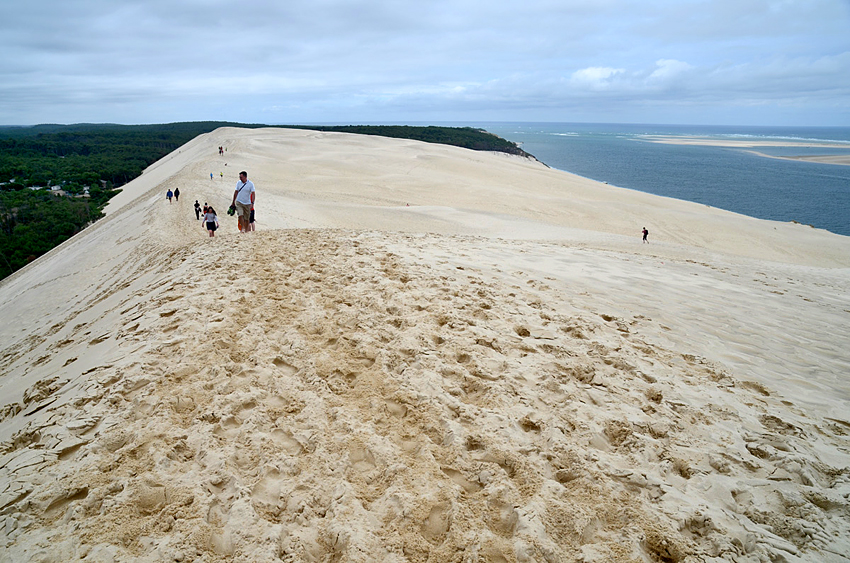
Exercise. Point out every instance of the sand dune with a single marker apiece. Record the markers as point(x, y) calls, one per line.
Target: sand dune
point(499, 371)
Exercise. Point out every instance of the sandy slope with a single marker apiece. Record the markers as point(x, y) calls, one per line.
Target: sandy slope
point(499, 372)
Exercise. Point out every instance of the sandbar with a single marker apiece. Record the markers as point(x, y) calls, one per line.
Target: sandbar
point(839, 159)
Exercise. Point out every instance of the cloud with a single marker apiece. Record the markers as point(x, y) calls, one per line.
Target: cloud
point(595, 77)
point(669, 69)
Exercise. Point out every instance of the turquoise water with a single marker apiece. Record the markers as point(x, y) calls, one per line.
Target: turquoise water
point(728, 178)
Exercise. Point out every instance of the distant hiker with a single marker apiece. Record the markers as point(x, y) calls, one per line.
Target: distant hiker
point(211, 221)
point(221, 174)
point(243, 200)
point(645, 234)
point(169, 194)
point(177, 194)
point(197, 210)
point(210, 175)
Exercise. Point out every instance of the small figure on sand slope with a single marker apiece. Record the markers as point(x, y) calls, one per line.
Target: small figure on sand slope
point(211, 221)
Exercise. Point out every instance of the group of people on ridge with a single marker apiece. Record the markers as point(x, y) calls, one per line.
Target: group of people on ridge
point(242, 205)
point(175, 194)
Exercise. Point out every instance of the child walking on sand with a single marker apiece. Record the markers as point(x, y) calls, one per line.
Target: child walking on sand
point(211, 220)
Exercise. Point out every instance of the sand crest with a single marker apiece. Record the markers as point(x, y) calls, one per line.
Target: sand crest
point(499, 372)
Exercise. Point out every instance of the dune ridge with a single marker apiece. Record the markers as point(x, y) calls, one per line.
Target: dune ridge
point(499, 372)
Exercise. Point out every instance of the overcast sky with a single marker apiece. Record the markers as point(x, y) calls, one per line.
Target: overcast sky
point(736, 62)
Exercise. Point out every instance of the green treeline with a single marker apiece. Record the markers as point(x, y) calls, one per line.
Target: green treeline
point(466, 137)
point(85, 165)
point(80, 155)
point(32, 223)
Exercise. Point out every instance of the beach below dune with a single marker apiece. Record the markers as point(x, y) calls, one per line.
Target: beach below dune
point(500, 369)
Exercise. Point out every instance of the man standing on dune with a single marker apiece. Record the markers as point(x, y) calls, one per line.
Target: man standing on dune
point(243, 200)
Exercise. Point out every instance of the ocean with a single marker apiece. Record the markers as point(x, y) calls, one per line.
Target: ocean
point(728, 178)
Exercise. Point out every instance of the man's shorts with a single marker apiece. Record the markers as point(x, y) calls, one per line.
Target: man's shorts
point(243, 211)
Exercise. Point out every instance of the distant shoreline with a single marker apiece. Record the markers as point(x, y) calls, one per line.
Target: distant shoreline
point(839, 159)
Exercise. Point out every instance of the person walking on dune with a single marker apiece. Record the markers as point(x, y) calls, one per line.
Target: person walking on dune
point(211, 221)
point(197, 210)
point(645, 234)
point(243, 200)
point(176, 194)
point(169, 194)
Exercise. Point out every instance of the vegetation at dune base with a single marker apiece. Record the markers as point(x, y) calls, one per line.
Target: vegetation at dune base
point(56, 179)
point(32, 223)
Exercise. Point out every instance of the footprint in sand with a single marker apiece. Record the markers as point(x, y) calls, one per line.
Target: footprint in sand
point(150, 496)
point(395, 408)
point(56, 506)
point(286, 441)
point(362, 460)
point(284, 366)
point(502, 517)
point(227, 426)
point(268, 496)
point(458, 478)
point(437, 524)
point(217, 514)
